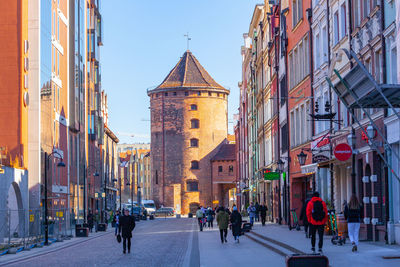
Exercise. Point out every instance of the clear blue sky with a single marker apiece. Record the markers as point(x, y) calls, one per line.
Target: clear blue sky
point(143, 40)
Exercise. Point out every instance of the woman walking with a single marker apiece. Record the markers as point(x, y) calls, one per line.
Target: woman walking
point(223, 221)
point(210, 217)
point(353, 212)
point(236, 221)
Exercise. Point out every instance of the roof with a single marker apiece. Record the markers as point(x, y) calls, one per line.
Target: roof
point(188, 73)
point(225, 152)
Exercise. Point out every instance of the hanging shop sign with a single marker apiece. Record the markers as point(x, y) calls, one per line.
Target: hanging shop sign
point(309, 169)
point(342, 152)
point(272, 176)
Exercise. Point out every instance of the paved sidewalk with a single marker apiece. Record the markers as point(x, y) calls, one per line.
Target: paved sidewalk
point(10, 258)
point(369, 253)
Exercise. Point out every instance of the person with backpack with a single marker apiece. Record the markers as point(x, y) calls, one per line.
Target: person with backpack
point(200, 216)
point(317, 215)
point(353, 212)
point(210, 217)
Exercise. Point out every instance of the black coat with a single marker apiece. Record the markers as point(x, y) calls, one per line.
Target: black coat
point(303, 215)
point(353, 215)
point(263, 211)
point(126, 224)
point(236, 221)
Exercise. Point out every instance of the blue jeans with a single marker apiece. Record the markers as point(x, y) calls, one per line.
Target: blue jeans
point(116, 228)
point(251, 220)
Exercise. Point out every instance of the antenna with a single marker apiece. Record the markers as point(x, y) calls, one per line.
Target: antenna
point(187, 39)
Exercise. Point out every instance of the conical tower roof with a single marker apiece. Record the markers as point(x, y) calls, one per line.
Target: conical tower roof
point(189, 73)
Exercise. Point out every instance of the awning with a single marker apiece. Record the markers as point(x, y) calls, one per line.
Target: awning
point(309, 169)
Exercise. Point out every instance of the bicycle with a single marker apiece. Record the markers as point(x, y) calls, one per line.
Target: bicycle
point(294, 220)
point(336, 237)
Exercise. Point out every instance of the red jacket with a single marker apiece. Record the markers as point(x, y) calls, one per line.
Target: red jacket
point(309, 210)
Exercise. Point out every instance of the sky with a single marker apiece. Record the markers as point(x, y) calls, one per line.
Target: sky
point(143, 41)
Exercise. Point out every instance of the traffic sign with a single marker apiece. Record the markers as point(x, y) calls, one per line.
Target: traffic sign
point(31, 218)
point(342, 152)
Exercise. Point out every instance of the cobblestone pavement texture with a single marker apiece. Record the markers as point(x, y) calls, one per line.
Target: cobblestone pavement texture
point(162, 242)
point(178, 242)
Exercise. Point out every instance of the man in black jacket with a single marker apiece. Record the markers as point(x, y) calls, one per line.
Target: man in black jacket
point(126, 224)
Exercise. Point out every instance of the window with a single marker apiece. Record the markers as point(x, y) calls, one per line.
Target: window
point(193, 107)
point(194, 165)
point(209, 93)
point(317, 51)
point(194, 142)
point(166, 94)
point(336, 28)
point(291, 72)
point(192, 186)
point(195, 123)
point(299, 62)
point(378, 67)
point(297, 11)
point(186, 93)
point(156, 177)
point(174, 93)
point(220, 169)
point(366, 8)
point(343, 24)
point(199, 93)
point(357, 16)
point(230, 168)
point(324, 45)
point(284, 138)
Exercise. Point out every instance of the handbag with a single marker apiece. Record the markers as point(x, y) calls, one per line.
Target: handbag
point(119, 238)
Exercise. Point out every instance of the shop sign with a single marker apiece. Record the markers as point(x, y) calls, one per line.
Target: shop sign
point(215, 201)
point(309, 169)
point(365, 137)
point(342, 152)
point(272, 176)
point(320, 142)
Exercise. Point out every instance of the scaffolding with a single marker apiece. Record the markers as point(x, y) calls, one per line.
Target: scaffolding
point(359, 90)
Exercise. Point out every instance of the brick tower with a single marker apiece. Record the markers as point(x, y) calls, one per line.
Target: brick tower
point(188, 123)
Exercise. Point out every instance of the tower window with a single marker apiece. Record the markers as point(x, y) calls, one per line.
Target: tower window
point(174, 93)
point(194, 165)
point(186, 93)
point(230, 168)
point(195, 124)
point(219, 168)
point(192, 186)
point(209, 93)
point(194, 142)
point(193, 107)
point(166, 94)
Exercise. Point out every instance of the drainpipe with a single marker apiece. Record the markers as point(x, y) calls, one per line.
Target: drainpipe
point(262, 96)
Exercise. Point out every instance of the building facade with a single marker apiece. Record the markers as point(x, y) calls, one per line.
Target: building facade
point(185, 136)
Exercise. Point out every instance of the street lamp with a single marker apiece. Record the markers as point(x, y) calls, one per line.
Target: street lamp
point(46, 219)
point(370, 132)
point(351, 139)
point(302, 158)
point(281, 165)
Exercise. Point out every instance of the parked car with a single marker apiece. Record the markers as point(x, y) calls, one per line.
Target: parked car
point(166, 211)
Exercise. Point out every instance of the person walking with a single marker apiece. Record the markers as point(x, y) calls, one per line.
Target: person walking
point(251, 210)
point(317, 215)
point(199, 216)
point(90, 221)
point(210, 217)
point(257, 206)
point(303, 217)
point(236, 221)
point(353, 212)
point(223, 221)
point(116, 221)
point(126, 225)
point(263, 214)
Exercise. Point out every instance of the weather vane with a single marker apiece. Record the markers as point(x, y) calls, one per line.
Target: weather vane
point(188, 39)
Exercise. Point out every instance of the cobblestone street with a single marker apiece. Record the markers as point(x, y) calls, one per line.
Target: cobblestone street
point(177, 242)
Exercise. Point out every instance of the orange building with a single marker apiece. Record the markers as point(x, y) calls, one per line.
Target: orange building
point(188, 123)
